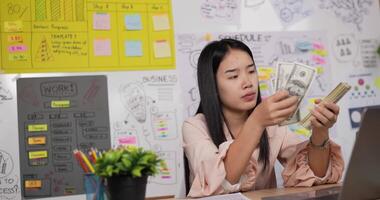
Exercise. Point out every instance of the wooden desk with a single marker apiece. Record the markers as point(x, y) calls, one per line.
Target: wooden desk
point(259, 194)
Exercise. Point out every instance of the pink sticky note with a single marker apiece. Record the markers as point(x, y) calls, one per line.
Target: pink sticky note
point(101, 21)
point(318, 60)
point(17, 48)
point(127, 140)
point(102, 47)
point(317, 45)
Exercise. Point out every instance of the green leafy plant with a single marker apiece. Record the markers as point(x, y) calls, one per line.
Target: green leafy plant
point(378, 50)
point(130, 161)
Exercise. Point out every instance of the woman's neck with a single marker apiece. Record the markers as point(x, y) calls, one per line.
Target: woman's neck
point(235, 121)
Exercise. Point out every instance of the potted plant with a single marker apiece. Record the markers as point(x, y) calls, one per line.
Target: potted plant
point(126, 170)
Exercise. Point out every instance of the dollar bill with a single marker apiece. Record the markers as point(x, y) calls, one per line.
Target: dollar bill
point(282, 75)
point(298, 84)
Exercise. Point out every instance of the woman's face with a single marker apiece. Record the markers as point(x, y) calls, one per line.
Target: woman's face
point(237, 81)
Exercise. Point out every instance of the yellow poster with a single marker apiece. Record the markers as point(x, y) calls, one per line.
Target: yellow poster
point(86, 35)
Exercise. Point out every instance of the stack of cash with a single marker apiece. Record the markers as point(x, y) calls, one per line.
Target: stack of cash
point(333, 97)
point(296, 78)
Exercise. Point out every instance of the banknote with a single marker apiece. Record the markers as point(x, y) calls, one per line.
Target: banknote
point(282, 74)
point(298, 84)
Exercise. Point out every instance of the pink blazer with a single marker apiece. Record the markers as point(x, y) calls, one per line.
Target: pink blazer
point(207, 172)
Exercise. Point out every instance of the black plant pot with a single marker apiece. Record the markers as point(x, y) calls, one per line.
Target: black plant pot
point(126, 187)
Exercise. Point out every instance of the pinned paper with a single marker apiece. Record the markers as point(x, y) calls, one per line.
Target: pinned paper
point(13, 26)
point(37, 127)
point(38, 154)
point(101, 21)
point(102, 47)
point(133, 48)
point(60, 104)
point(133, 22)
point(161, 22)
point(38, 140)
point(17, 48)
point(33, 184)
point(162, 49)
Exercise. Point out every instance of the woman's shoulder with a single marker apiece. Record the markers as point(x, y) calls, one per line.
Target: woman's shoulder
point(196, 123)
point(198, 120)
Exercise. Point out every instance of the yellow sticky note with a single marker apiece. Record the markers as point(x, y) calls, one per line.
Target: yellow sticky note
point(303, 131)
point(161, 22)
point(13, 26)
point(33, 183)
point(320, 70)
point(39, 140)
point(264, 87)
point(320, 52)
point(60, 104)
point(37, 127)
point(162, 49)
point(38, 154)
point(377, 82)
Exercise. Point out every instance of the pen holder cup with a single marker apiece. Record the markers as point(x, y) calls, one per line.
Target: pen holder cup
point(94, 187)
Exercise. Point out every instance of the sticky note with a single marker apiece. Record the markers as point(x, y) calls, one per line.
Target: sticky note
point(37, 127)
point(102, 47)
point(320, 70)
point(317, 45)
point(161, 22)
point(133, 48)
point(38, 140)
point(17, 48)
point(320, 52)
point(60, 104)
point(33, 184)
point(162, 49)
point(133, 22)
point(15, 38)
point(264, 86)
point(127, 140)
point(37, 154)
point(101, 21)
point(13, 26)
point(17, 57)
point(318, 60)
point(377, 82)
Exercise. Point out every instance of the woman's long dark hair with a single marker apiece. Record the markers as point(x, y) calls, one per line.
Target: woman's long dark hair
point(210, 105)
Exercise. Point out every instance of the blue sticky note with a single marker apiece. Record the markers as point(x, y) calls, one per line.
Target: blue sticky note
point(133, 48)
point(133, 22)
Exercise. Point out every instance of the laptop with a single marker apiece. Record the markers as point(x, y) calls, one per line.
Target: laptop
point(362, 180)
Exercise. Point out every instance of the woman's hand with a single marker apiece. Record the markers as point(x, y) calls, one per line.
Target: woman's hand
point(275, 109)
point(324, 116)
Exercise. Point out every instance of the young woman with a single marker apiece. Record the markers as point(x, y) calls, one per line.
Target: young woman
point(233, 141)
